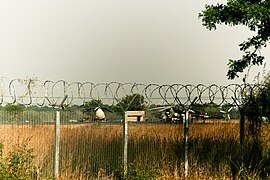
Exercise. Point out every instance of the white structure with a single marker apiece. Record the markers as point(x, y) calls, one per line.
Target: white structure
point(135, 116)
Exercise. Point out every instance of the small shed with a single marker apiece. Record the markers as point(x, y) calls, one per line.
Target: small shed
point(135, 116)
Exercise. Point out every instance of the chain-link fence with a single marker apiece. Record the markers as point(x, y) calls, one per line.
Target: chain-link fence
point(90, 148)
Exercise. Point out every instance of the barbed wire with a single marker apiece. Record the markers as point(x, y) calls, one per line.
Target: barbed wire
point(42, 93)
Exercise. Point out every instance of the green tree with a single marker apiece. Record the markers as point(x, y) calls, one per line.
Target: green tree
point(254, 14)
point(134, 102)
point(259, 102)
point(14, 107)
point(15, 112)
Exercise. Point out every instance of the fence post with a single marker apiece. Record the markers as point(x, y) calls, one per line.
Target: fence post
point(125, 143)
point(186, 122)
point(57, 145)
point(242, 128)
point(57, 135)
point(186, 141)
point(242, 134)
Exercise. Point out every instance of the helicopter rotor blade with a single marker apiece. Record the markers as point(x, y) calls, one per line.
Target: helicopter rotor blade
point(158, 108)
point(229, 110)
point(222, 111)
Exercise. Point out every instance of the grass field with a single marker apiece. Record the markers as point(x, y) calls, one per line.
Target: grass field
point(94, 150)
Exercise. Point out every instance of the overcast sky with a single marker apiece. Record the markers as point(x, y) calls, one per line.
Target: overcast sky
point(142, 41)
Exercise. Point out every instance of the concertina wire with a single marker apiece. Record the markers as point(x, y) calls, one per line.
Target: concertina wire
point(44, 93)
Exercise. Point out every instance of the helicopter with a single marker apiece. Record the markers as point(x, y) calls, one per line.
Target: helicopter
point(176, 113)
point(169, 114)
point(99, 114)
point(172, 114)
point(95, 109)
point(226, 113)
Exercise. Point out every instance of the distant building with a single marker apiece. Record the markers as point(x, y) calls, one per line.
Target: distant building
point(135, 116)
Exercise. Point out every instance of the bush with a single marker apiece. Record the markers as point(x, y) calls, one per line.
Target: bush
point(18, 164)
point(135, 173)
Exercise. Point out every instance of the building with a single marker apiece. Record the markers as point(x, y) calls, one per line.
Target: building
point(135, 116)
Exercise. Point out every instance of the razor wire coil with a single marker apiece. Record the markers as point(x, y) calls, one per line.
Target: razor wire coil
point(42, 93)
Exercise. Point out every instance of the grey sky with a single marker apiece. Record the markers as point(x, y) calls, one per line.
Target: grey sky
point(143, 41)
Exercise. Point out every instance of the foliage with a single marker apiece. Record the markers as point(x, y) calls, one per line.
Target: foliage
point(261, 99)
point(134, 102)
point(135, 173)
point(90, 105)
point(14, 107)
point(251, 170)
point(15, 111)
point(255, 14)
point(256, 105)
point(18, 164)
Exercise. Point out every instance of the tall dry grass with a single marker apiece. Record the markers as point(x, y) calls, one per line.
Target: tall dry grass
point(95, 150)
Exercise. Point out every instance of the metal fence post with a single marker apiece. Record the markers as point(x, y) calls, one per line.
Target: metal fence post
point(242, 135)
point(125, 143)
point(186, 123)
point(57, 145)
point(186, 141)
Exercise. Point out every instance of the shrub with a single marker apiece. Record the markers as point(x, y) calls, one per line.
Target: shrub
point(18, 164)
point(135, 173)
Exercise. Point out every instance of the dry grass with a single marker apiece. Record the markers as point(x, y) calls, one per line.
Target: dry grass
point(81, 140)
